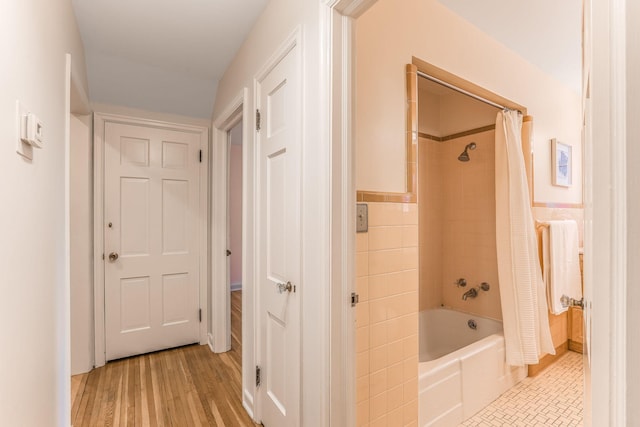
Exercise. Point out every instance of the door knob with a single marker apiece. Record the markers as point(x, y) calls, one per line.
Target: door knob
point(113, 256)
point(285, 287)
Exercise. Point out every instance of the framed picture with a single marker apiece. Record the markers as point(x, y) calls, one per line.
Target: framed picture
point(561, 166)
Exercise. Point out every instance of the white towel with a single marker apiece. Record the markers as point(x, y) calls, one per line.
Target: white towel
point(561, 263)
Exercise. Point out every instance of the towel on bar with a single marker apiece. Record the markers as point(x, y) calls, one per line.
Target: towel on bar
point(561, 263)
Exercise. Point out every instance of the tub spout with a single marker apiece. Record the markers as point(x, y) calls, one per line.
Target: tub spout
point(471, 293)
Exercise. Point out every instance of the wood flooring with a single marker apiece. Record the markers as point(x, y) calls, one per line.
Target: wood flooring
point(186, 386)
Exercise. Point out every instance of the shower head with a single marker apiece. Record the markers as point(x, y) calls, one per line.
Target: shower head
point(464, 157)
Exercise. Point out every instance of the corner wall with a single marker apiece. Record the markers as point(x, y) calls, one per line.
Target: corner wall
point(35, 36)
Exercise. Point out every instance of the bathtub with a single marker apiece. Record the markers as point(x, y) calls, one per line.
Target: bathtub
point(462, 370)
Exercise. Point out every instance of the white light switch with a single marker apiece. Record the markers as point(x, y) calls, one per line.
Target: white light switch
point(362, 218)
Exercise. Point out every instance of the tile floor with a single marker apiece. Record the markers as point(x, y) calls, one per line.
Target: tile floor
point(553, 398)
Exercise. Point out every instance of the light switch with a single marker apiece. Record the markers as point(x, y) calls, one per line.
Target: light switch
point(362, 218)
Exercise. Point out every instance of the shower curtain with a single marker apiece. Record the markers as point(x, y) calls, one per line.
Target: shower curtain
point(522, 291)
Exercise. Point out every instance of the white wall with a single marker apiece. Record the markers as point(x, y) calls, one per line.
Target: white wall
point(278, 21)
point(81, 217)
point(34, 38)
point(235, 206)
point(633, 210)
point(391, 32)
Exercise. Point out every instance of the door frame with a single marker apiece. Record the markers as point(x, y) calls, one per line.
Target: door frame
point(220, 337)
point(99, 122)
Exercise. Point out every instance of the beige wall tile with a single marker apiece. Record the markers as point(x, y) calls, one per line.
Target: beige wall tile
point(378, 358)
point(362, 389)
point(385, 214)
point(362, 339)
point(395, 377)
point(362, 364)
point(386, 261)
point(410, 411)
point(410, 236)
point(379, 422)
point(378, 310)
point(410, 258)
point(378, 334)
point(378, 286)
point(394, 329)
point(385, 238)
point(395, 417)
point(362, 414)
point(410, 216)
point(362, 242)
point(378, 383)
point(410, 368)
point(362, 264)
point(410, 390)
point(378, 407)
point(362, 314)
point(410, 346)
point(395, 353)
point(362, 288)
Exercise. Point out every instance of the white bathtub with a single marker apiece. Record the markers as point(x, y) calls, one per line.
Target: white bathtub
point(461, 370)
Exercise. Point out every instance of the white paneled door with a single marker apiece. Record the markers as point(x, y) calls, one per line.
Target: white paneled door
point(151, 203)
point(279, 287)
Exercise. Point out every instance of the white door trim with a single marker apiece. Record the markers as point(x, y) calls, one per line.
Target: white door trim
point(100, 120)
point(220, 338)
point(338, 35)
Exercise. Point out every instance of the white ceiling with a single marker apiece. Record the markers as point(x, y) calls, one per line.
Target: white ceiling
point(162, 55)
point(547, 33)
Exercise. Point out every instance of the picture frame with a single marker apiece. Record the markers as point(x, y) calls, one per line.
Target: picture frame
point(561, 164)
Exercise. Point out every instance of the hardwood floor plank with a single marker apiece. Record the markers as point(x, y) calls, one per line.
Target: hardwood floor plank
point(186, 386)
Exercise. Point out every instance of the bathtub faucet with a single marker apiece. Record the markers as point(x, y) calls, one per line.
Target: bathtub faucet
point(471, 293)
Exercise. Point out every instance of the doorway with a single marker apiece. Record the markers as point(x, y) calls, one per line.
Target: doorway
point(150, 246)
point(234, 237)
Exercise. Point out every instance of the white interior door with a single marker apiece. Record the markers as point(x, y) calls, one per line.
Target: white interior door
point(278, 281)
point(150, 237)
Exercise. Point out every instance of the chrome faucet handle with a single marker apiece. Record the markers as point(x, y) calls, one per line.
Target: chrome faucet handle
point(485, 286)
point(461, 282)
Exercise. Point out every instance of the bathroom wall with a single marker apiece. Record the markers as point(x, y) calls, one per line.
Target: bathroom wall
point(387, 317)
point(431, 220)
point(387, 37)
point(469, 244)
point(457, 224)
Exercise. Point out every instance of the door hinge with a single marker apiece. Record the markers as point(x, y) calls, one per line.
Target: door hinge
point(199, 315)
point(354, 299)
point(257, 376)
point(200, 156)
point(103, 257)
point(258, 120)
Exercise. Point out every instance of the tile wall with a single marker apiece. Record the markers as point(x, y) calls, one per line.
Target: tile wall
point(457, 223)
point(387, 317)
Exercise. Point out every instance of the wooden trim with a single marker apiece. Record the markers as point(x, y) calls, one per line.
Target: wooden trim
point(548, 359)
point(457, 135)
point(412, 133)
point(558, 205)
point(411, 146)
point(466, 85)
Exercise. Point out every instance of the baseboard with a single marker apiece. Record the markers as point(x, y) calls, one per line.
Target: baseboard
point(236, 287)
point(548, 359)
point(578, 347)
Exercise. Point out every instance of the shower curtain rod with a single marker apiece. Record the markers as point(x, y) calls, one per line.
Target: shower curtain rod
point(464, 92)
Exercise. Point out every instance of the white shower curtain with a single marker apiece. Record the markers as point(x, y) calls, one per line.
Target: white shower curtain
point(522, 291)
